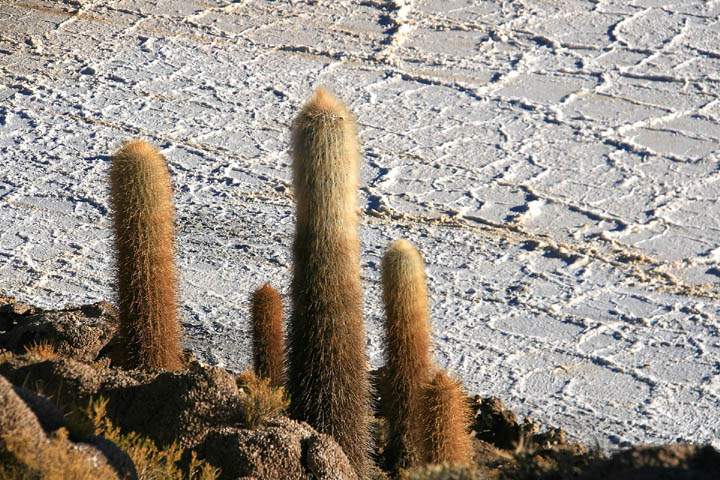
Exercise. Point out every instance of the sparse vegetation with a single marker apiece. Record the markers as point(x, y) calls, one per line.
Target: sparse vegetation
point(42, 350)
point(151, 462)
point(56, 458)
point(260, 400)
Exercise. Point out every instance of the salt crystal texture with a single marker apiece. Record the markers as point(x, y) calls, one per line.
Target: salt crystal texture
point(555, 162)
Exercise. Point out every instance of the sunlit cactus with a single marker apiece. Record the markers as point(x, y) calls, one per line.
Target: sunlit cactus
point(445, 420)
point(268, 346)
point(328, 378)
point(407, 350)
point(143, 219)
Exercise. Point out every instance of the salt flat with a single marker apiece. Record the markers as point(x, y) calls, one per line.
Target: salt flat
point(555, 161)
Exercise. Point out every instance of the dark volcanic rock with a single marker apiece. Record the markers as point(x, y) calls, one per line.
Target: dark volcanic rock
point(496, 424)
point(32, 451)
point(664, 462)
point(17, 418)
point(47, 413)
point(78, 333)
point(500, 427)
point(12, 313)
point(283, 449)
point(177, 406)
point(165, 406)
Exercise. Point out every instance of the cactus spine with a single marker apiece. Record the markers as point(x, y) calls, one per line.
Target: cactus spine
point(268, 346)
point(407, 350)
point(445, 421)
point(327, 377)
point(143, 221)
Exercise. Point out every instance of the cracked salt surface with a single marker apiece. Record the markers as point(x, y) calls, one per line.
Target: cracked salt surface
point(556, 162)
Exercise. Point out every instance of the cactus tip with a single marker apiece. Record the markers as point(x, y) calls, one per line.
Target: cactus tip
point(401, 246)
point(137, 148)
point(324, 100)
point(403, 254)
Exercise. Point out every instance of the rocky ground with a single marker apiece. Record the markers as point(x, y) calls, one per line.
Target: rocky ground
point(53, 364)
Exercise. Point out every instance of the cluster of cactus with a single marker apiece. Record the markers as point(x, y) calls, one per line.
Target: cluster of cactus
point(427, 412)
point(327, 369)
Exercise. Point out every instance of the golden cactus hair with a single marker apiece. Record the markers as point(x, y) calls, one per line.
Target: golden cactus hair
point(407, 351)
point(143, 220)
point(268, 345)
point(445, 421)
point(328, 378)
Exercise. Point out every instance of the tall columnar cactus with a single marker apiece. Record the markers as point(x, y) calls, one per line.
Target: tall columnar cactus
point(407, 350)
point(445, 420)
point(327, 377)
point(268, 347)
point(143, 219)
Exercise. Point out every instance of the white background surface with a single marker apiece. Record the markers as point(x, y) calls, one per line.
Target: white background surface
point(555, 161)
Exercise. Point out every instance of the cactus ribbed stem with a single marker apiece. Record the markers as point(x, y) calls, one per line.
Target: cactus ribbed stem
point(407, 350)
point(268, 346)
point(328, 377)
point(143, 220)
point(446, 418)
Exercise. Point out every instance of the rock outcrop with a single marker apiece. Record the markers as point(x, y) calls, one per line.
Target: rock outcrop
point(79, 333)
point(283, 449)
point(27, 450)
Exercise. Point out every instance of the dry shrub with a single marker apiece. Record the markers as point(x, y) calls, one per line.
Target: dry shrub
point(444, 472)
point(260, 400)
point(41, 351)
point(150, 462)
point(55, 460)
point(6, 356)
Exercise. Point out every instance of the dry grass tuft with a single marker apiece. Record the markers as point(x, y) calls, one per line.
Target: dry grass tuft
point(41, 351)
point(260, 400)
point(6, 356)
point(150, 462)
point(57, 459)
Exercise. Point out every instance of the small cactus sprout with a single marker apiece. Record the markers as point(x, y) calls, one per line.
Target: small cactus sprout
point(143, 221)
point(446, 420)
point(328, 379)
point(407, 350)
point(268, 347)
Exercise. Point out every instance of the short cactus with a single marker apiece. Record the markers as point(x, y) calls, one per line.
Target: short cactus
point(407, 350)
point(327, 377)
point(143, 219)
point(445, 420)
point(268, 347)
